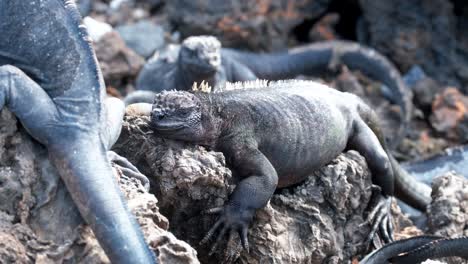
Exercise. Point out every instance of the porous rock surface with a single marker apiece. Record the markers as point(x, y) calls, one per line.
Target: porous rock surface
point(119, 63)
point(448, 211)
point(318, 221)
point(39, 223)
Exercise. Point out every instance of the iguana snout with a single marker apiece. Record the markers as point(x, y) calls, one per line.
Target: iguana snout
point(177, 115)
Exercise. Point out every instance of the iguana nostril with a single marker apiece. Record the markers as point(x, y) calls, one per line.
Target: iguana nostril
point(160, 116)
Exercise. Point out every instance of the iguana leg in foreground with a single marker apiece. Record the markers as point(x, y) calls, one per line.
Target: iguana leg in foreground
point(115, 110)
point(201, 58)
point(275, 135)
point(54, 87)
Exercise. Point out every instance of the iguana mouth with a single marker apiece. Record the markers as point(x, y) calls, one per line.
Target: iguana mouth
point(167, 127)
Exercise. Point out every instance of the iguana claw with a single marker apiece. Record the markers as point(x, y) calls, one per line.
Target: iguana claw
point(128, 169)
point(232, 220)
point(381, 218)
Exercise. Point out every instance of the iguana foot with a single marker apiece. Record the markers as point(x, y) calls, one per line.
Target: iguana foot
point(381, 218)
point(128, 169)
point(233, 219)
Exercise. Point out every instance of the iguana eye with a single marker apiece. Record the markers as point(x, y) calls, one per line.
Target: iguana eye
point(184, 112)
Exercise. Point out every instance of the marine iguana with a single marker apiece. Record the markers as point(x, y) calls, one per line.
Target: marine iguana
point(274, 135)
point(418, 249)
point(201, 58)
point(55, 88)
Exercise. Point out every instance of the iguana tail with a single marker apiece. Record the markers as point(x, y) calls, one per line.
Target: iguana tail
point(407, 188)
point(322, 56)
point(418, 249)
point(139, 96)
point(381, 255)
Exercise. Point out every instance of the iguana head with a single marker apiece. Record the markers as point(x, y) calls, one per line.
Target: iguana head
point(178, 115)
point(200, 55)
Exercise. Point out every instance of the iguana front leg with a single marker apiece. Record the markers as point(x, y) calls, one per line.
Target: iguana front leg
point(115, 111)
point(251, 193)
point(80, 158)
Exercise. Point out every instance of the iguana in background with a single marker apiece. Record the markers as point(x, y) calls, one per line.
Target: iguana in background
point(201, 58)
point(275, 135)
point(52, 83)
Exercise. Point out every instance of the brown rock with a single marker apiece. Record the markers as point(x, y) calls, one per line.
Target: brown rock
point(324, 28)
point(450, 114)
point(119, 64)
point(261, 24)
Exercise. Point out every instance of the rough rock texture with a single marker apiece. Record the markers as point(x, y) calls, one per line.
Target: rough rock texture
point(421, 32)
point(450, 114)
point(448, 211)
point(119, 64)
point(315, 222)
point(39, 223)
point(261, 24)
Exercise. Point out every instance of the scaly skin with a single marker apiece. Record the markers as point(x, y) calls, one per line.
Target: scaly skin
point(418, 249)
point(51, 82)
point(275, 137)
point(202, 59)
point(441, 248)
point(381, 255)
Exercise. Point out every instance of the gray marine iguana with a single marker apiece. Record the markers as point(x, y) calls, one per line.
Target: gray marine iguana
point(418, 249)
point(201, 58)
point(274, 135)
point(54, 87)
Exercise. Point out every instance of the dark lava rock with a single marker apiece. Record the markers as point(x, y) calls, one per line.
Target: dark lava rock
point(318, 221)
point(258, 25)
point(144, 37)
point(424, 91)
point(427, 33)
point(119, 64)
point(450, 114)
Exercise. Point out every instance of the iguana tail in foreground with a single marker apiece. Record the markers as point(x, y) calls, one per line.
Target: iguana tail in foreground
point(418, 249)
point(51, 82)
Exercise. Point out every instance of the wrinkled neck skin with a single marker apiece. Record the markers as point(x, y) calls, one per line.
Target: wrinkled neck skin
point(213, 124)
point(186, 76)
